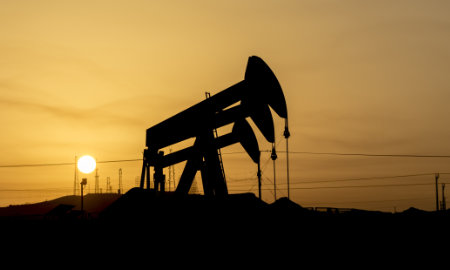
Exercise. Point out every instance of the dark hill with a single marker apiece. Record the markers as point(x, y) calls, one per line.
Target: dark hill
point(93, 203)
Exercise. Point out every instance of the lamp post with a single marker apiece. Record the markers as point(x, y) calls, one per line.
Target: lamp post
point(86, 164)
point(83, 183)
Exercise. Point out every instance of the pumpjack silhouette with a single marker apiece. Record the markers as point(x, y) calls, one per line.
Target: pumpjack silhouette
point(250, 97)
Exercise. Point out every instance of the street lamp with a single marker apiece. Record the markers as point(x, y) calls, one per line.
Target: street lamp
point(83, 183)
point(86, 164)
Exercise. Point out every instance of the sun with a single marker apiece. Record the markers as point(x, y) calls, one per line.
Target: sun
point(86, 164)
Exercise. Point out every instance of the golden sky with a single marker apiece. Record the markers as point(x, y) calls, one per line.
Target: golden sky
point(89, 77)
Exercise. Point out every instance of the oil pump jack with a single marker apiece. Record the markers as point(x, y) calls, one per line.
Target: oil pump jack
point(250, 97)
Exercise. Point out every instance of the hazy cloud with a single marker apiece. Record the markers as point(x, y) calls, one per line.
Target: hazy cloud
point(97, 114)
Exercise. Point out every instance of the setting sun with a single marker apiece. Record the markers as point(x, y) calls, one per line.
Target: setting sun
point(86, 164)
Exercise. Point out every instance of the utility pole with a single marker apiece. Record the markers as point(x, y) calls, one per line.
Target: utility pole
point(96, 181)
point(436, 176)
point(286, 136)
point(273, 156)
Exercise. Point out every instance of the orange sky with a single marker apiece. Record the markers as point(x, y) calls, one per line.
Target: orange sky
point(89, 77)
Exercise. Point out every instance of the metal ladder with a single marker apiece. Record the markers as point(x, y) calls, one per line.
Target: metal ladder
point(219, 152)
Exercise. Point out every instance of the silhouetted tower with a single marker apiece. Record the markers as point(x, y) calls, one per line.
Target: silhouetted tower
point(96, 181)
point(120, 181)
point(108, 185)
point(173, 177)
point(169, 179)
point(219, 152)
point(159, 179)
point(75, 180)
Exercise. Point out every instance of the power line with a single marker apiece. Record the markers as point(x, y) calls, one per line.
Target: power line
point(359, 186)
point(62, 164)
point(120, 160)
point(349, 154)
point(37, 190)
point(239, 152)
point(367, 155)
point(241, 186)
point(362, 178)
point(301, 182)
point(36, 165)
point(366, 186)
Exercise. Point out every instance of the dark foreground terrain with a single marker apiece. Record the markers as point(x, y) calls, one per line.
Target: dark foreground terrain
point(143, 220)
point(155, 211)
